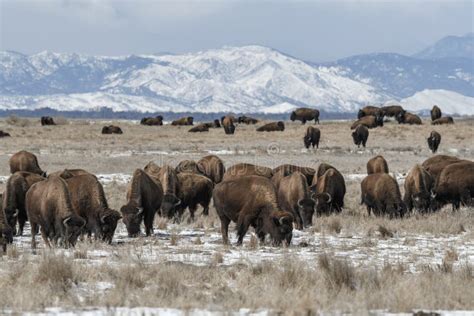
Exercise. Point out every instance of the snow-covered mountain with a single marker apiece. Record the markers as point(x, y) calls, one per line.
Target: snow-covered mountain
point(232, 79)
point(450, 47)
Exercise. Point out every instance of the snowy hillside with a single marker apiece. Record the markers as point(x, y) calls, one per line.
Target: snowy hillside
point(450, 102)
point(449, 47)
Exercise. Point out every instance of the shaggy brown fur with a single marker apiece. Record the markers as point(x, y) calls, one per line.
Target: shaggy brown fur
point(169, 180)
point(247, 120)
point(418, 185)
point(69, 173)
point(4, 134)
point(381, 194)
point(377, 164)
point(435, 113)
point(408, 118)
point(436, 164)
point(304, 115)
point(360, 135)
point(183, 121)
point(368, 121)
point(111, 129)
point(330, 190)
point(391, 110)
point(151, 121)
point(246, 169)
point(433, 141)
point(311, 138)
point(25, 161)
point(47, 120)
point(228, 124)
point(443, 120)
point(455, 185)
point(288, 169)
point(187, 166)
point(272, 127)
point(194, 189)
point(199, 128)
point(369, 111)
point(212, 167)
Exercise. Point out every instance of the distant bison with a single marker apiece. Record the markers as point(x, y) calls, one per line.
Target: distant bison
point(199, 128)
point(232, 119)
point(435, 113)
point(272, 127)
point(369, 110)
point(152, 121)
point(381, 194)
point(433, 141)
point(194, 189)
point(377, 164)
point(330, 190)
point(247, 120)
point(252, 201)
point(311, 138)
point(369, 121)
point(246, 169)
point(228, 124)
point(47, 120)
point(418, 185)
point(408, 118)
point(391, 110)
point(183, 121)
point(443, 120)
point(436, 164)
point(4, 134)
point(25, 161)
point(304, 115)
point(360, 135)
point(214, 124)
point(212, 167)
point(111, 129)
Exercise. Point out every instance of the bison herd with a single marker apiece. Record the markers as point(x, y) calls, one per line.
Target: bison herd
point(69, 203)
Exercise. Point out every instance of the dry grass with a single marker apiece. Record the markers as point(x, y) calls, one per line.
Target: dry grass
point(17, 121)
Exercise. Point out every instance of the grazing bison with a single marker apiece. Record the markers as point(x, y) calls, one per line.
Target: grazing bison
point(360, 135)
point(311, 138)
point(455, 185)
point(247, 120)
point(6, 233)
point(435, 113)
point(214, 124)
point(170, 184)
point(433, 141)
point(391, 110)
point(47, 120)
point(49, 207)
point(89, 202)
point(381, 194)
point(330, 190)
point(194, 189)
point(294, 197)
point(369, 121)
point(377, 164)
point(443, 120)
point(111, 129)
point(212, 167)
point(4, 134)
point(152, 169)
point(183, 121)
point(272, 127)
point(14, 198)
point(232, 118)
point(144, 197)
point(408, 118)
point(418, 185)
point(304, 115)
point(288, 169)
point(187, 166)
point(25, 161)
point(252, 201)
point(228, 123)
point(152, 121)
point(246, 169)
point(322, 168)
point(436, 164)
point(199, 128)
point(69, 173)
point(369, 111)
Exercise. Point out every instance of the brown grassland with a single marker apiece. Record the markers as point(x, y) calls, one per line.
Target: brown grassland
point(337, 265)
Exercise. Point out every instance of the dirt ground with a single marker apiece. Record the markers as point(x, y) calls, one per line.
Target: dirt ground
point(344, 263)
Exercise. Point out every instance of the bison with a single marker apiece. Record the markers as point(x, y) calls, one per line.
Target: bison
point(246, 169)
point(381, 194)
point(288, 169)
point(69, 173)
point(14, 196)
point(311, 138)
point(329, 192)
point(212, 167)
point(443, 120)
point(89, 202)
point(369, 121)
point(455, 185)
point(272, 127)
point(111, 129)
point(183, 121)
point(144, 197)
point(168, 178)
point(369, 110)
point(47, 120)
point(49, 207)
point(435, 113)
point(232, 118)
point(360, 135)
point(214, 124)
point(408, 118)
point(199, 128)
point(252, 201)
point(194, 189)
point(436, 164)
point(25, 161)
point(152, 121)
point(377, 164)
point(6, 233)
point(304, 115)
point(418, 186)
point(228, 124)
point(4, 134)
point(187, 166)
point(152, 169)
point(433, 141)
point(391, 110)
point(294, 197)
point(247, 120)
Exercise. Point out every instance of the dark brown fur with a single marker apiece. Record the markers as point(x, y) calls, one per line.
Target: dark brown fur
point(247, 120)
point(418, 185)
point(435, 113)
point(47, 120)
point(212, 167)
point(152, 121)
point(25, 161)
point(272, 127)
point(360, 135)
point(369, 110)
point(199, 128)
point(183, 121)
point(111, 129)
point(187, 166)
point(311, 138)
point(443, 120)
point(329, 193)
point(228, 124)
point(455, 185)
point(391, 110)
point(436, 164)
point(152, 169)
point(304, 115)
point(377, 164)
point(369, 121)
point(194, 189)
point(381, 194)
point(408, 118)
point(69, 173)
point(168, 178)
point(4, 134)
point(288, 169)
point(433, 141)
point(246, 169)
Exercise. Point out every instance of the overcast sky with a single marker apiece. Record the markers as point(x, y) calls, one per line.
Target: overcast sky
point(311, 30)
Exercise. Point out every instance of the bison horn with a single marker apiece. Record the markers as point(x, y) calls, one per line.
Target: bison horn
point(177, 203)
point(139, 210)
point(102, 218)
point(329, 198)
point(66, 220)
point(16, 213)
point(299, 203)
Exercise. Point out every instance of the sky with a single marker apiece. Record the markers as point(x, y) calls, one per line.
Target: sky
point(311, 30)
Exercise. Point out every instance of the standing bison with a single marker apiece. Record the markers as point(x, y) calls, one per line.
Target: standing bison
point(25, 161)
point(360, 135)
point(194, 190)
point(304, 115)
point(436, 164)
point(433, 141)
point(212, 167)
point(272, 127)
point(49, 207)
point(144, 197)
point(368, 121)
point(435, 113)
point(381, 194)
point(47, 120)
point(228, 124)
point(246, 169)
point(377, 164)
point(252, 201)
point(168, 178)
point(330, 190)
point(418, 185)
point(311, 138)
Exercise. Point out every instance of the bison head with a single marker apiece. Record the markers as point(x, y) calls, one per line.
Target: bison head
point(396, 210)
point(7, 233)
point(108, 223)
point(293, 116)
point(132, 217)
point(400, 117)
point(356, 138)
point(379, 120)
point(360, 114)
point(72, 229)
point(306, 210)
point(307, 141)
point(169, 205)
point(421, 200)
point(323, 202)
point(281, 125)
point(280, 227)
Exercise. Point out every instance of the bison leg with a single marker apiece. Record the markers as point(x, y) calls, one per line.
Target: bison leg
point(44, 234)
point(21, 224)
point(33, 235)
point(192, 210)
point(225, 229)
point(242, 226)
point(303, 121)
point(148, 221)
